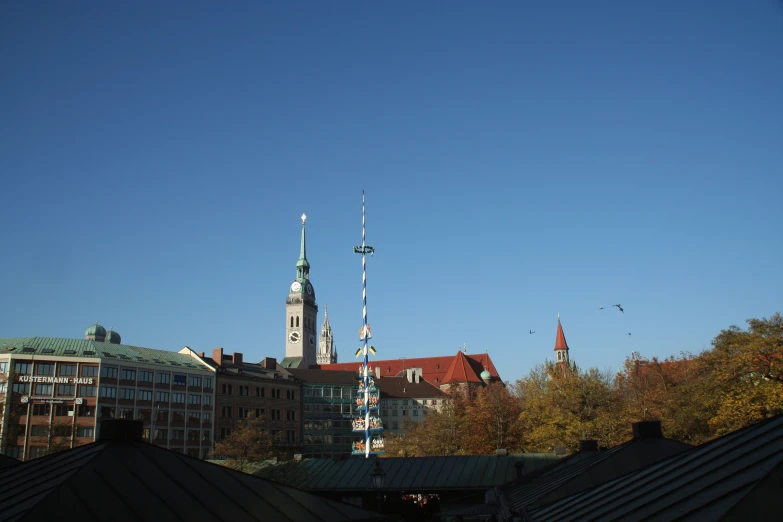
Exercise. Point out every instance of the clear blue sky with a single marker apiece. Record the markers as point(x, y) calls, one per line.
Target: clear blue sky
point(520, 159)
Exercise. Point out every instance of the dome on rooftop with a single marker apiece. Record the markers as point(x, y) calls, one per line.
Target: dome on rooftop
point(485, 375)
point(95, 332)
point(113, 337)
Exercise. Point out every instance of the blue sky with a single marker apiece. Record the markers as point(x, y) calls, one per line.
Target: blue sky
point(520, 159)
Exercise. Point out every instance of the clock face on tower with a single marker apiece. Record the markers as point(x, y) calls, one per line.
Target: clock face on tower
point(294, 337)
point(309, 289)
point(296, 286)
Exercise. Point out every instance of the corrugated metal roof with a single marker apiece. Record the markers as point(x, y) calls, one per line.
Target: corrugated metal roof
point(586, 469)
point(134, 481)
point(98, 350)
point(735, 477)
point(409, 473)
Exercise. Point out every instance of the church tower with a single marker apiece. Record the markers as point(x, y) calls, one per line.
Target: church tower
point(561, 347)
point(300, 312)
point(327, 352)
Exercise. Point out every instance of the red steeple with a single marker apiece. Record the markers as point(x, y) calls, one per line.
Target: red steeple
point(560, 342)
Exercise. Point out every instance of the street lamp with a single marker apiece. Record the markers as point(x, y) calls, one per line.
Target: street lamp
point(378, 476)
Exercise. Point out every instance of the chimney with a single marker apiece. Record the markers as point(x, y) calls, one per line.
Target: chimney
point(125, 430)
point(418, 374)
point(236, 358)
point(201, 354)
point(377, 371)
point(588, 445)
point(519, 468)
point(647, 430)
point(270, 363)
point(217, 356)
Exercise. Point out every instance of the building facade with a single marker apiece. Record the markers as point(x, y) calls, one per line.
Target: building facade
point(409, 398)
point(54, 392)
point(263, 389)
point(328, 409)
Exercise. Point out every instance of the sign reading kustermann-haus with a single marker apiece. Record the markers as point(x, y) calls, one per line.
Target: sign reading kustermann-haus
point(54, 380)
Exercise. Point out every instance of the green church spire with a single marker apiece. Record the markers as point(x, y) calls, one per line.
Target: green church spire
point(302, 266)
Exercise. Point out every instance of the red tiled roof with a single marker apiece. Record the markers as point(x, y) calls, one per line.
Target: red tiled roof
point(434, 369)
point(461, 371)
point(560, 342)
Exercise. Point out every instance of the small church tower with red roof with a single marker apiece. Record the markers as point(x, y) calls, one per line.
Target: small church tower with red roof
point(561, 347)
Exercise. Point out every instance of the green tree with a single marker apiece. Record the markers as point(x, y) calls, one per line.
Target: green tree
point(249, 442)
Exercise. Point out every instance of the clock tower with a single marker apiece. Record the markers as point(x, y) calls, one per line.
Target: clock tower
point(300, 315)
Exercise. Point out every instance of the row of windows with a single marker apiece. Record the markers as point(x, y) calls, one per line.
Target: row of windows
point(162, 434)
point(110, 372)
point(308, 323)
point(63, 410)
point(26, 368)
point(327, 408)
point(334, 393)
point(274, 393)
point(274, 414)
point(423, 402)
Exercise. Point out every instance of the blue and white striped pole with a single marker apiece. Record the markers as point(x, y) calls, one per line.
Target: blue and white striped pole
point(364, 249)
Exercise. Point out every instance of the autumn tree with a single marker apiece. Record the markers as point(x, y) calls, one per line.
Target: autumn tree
point(249, 442)
point(561, 406)
point(745, 374)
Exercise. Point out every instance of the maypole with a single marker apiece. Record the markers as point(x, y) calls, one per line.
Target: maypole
point(367, 400)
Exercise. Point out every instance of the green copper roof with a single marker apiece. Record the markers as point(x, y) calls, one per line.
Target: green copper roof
point(57, 347)
point(291, 362)
point(303, 249)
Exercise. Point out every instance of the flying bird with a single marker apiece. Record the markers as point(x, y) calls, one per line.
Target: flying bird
point(629, 333)
point(532, 332)
point(601, 308)
point(619, 307)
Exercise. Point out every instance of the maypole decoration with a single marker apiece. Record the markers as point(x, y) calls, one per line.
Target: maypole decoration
point(367, 419)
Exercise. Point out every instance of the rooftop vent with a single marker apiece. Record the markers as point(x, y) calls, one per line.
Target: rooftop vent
point(89, 352)
point(588, 445)
point(28, 349)
point(109, 355)
point(647, 430)
point(124, 430)
point(69, 352)
point(47, 350)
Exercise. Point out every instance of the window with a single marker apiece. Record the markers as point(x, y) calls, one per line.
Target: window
point(394, 413)
point(88, 391)
point(193, 435)
point(207, 382)
point(20, 388)
point(275, 414)
point(180, 380)
point(227, 389)
point(110, 372)
point(308, 407)
point(37, 451)
point(109, 391)
point(384, 413)
point(318, 392)
point(290, 415)
point(328, 392)
point(206, 417)
point(44, 389)
point(3, 387)
point(258, 391)
point(177, 434)
point(161, 434)
point(128, 375)
point(394, 403)
point(338, 393)
point(127, 393)
point(178, 398)
point(41, 409)
point(405, 402)
point(177, 416)
point(395, 425)
point(63, 410)
point(205, 435)
point(3, 367)
point(194, 416)
point(161, 396)
point(241, 412)
point(23, 368)
point(145, 433)
point(145, 376)
point(308, 392)
point(226, 412)
point(68, 369)
point(145, 395)
point(244, 390)
point(66, 390)
point(225, 432)
point(89, 371)
point(415, 413)
point(195, 381)
point(145, 415)
point(86, 411)
point(85, 431)
point(207, 400)
point(164, 378)
point(126, 413)
point(194, 399)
